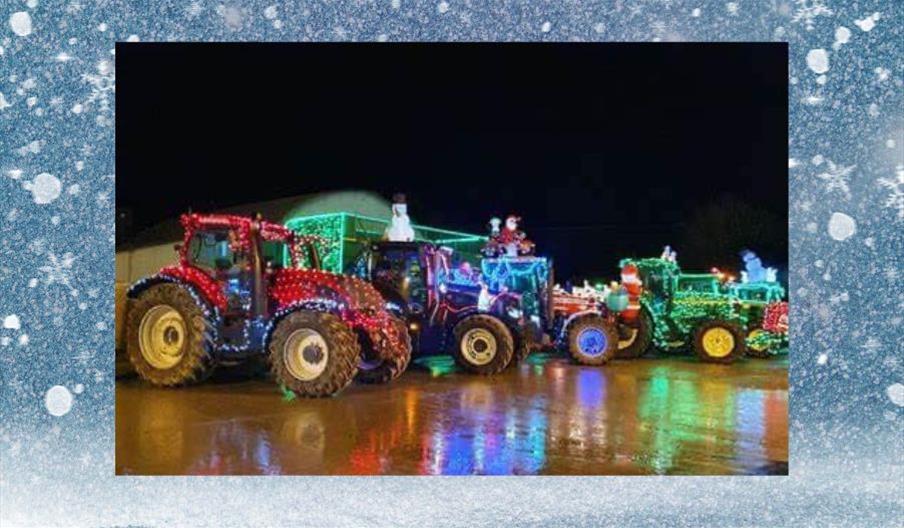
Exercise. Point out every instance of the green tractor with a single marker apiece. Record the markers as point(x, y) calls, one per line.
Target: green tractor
point(688, 310)
point(762, 305)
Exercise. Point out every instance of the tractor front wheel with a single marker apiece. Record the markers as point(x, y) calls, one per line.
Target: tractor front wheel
point(168, 337)
point(313, 354)
point(592, 341)
point(719, 342)
point(482, 344)
point(373, 370)
point(755, 347)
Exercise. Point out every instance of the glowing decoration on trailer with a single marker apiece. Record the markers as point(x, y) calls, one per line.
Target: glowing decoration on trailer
point(508, 241)
point(526, 275)
point(346, 234)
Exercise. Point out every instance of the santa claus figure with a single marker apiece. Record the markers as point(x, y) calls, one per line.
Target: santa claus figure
point(630, 280)
point(513, 241)
point(399, 229)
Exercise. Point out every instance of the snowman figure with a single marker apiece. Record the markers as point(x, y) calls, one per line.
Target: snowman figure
point(753, 267)
point(668, 254)
point(399, 229)
point(754, 270)
point(492, 249)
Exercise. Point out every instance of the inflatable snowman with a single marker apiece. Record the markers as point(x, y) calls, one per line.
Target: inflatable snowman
point(399, 229)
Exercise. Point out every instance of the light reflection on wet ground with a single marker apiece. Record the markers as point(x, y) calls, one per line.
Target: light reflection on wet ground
point(547, 416)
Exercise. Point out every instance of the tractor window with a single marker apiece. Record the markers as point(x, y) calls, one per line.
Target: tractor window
point(698, 284)
point(211, 250)
point(401, 270)
point(275, 253)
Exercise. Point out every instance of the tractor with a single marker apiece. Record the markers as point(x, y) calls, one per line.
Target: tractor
point(766, 313)
point(229, 300)
point(582, 321)
point(687, 309)
point(448, 307)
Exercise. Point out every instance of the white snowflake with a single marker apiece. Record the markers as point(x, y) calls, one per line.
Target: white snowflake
point(808, 10)
point(102, 85)
point(895, 186)
point(872, 345)
point(59, 271)
point(836, 177)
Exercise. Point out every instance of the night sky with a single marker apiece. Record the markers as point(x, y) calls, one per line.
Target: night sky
point(605, 150)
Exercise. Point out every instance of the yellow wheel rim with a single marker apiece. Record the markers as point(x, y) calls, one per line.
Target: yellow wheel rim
point(478, 346)
point(161, 336)
point(751, 340)
point(718, 342)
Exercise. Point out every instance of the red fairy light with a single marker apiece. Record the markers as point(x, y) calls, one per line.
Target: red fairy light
point(775, 317)
point(356, 302)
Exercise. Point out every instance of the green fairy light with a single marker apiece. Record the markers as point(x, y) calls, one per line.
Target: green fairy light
point(347, 235)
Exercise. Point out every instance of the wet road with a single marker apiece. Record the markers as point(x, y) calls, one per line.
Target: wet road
point(547, 416)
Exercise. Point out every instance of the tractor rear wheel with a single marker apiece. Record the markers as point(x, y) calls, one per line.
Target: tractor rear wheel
point(313, 354)
point(634, 341)
point(482, 344)
point(374, 370)
point(719, 342)
point(168, 337)
point(591, 340)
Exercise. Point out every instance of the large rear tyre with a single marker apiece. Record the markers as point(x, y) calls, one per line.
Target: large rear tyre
point(373, 370)
point(592, 341)
point(168, 338)
point(482, 344)
point(719, 342)
point(313, 354)
point(634, 341)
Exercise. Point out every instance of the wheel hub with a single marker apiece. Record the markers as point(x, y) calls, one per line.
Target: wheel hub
point(478, 346)
point(592, 341)
point(718, 342)
point(161, 336)
point(305, 354)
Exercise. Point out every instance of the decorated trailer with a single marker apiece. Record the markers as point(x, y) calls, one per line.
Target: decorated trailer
point(345, 236)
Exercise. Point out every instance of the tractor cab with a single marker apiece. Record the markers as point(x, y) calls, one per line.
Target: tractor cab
point(697, 283)
point(401, 272)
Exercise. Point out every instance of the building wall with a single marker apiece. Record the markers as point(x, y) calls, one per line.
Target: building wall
point(140, 262)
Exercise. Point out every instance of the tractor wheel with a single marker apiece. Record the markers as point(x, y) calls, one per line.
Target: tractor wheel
point(522, 349)
point(592, 341)
point(168, 337)
point(754, 349)
point(719, 342)
point(313, 354)
point(482, 344)
point(373, 370)
point(633, 341)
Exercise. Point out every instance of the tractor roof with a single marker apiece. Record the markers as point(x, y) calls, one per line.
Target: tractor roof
point(269, 230)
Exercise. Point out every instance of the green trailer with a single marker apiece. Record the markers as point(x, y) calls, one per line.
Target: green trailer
point(345, 236)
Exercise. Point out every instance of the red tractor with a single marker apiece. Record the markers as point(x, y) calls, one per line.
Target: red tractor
point(229, 300)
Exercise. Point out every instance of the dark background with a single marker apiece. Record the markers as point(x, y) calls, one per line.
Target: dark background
point(605, 150)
